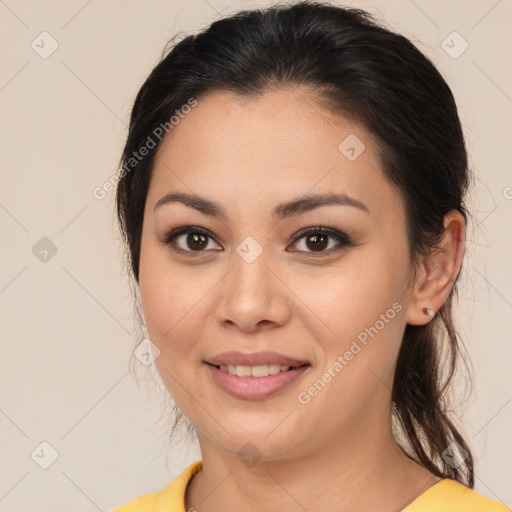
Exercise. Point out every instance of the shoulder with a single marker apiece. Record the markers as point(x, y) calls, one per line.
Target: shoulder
point(451, 496)
point(172, 497)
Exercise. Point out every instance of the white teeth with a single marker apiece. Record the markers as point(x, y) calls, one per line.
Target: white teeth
point(243, 371)
point(259, 371)
point(263, 370)
point(273, 369)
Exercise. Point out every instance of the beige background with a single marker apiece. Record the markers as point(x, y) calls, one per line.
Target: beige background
point(67, 323)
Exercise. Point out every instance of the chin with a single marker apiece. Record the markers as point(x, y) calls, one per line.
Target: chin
point(267, 439)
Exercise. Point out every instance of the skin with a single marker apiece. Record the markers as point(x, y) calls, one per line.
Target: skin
point(248, 155)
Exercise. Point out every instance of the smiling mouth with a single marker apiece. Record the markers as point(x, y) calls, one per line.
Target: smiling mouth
point(255, 382)
point(264, 370)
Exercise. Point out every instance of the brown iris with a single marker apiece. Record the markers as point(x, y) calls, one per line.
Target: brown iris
point(318, 241)
point(197, 241)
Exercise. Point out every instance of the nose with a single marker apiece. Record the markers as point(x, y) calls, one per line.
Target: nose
point(253, 295)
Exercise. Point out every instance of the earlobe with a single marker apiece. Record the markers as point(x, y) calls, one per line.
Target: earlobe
point(438, 273)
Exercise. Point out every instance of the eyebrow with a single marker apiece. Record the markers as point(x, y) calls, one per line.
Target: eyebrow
point(288, 209)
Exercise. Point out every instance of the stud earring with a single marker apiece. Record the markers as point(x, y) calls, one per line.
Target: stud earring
point(428, 311)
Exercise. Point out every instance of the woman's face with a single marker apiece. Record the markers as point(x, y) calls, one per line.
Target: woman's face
point(247, 283)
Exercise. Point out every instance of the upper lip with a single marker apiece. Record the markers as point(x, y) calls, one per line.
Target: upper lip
point(255, 359)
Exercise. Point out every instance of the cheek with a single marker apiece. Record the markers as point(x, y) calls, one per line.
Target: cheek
point(169, 306)
point(165, 297)
point(357, 313)
point(171, 303)
point(351, 296)
point(356, 367)
point(175, 301)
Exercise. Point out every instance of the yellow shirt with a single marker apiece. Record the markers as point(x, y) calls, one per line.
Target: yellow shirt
point(445, 496)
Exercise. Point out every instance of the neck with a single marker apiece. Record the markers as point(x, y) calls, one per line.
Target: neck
point(368, 472)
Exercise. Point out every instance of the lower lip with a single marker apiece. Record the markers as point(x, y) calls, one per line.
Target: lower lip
point(255, 388)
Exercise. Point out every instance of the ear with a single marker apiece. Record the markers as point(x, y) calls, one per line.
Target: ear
point(438, 271)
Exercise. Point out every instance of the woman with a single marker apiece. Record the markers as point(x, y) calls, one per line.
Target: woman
point(292, 200)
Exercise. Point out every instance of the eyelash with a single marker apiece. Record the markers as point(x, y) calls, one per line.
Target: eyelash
point(342, 238)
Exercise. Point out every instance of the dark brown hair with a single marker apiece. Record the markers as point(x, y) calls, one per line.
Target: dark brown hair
point(379, 78)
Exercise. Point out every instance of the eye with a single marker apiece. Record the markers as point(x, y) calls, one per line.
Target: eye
point(317, 239)
point(192, 238)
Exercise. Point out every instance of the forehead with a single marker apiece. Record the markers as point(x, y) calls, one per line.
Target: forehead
point(266, 149)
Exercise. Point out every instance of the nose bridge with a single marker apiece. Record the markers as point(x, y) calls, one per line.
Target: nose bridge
point(252, 291)
point(251, 268)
